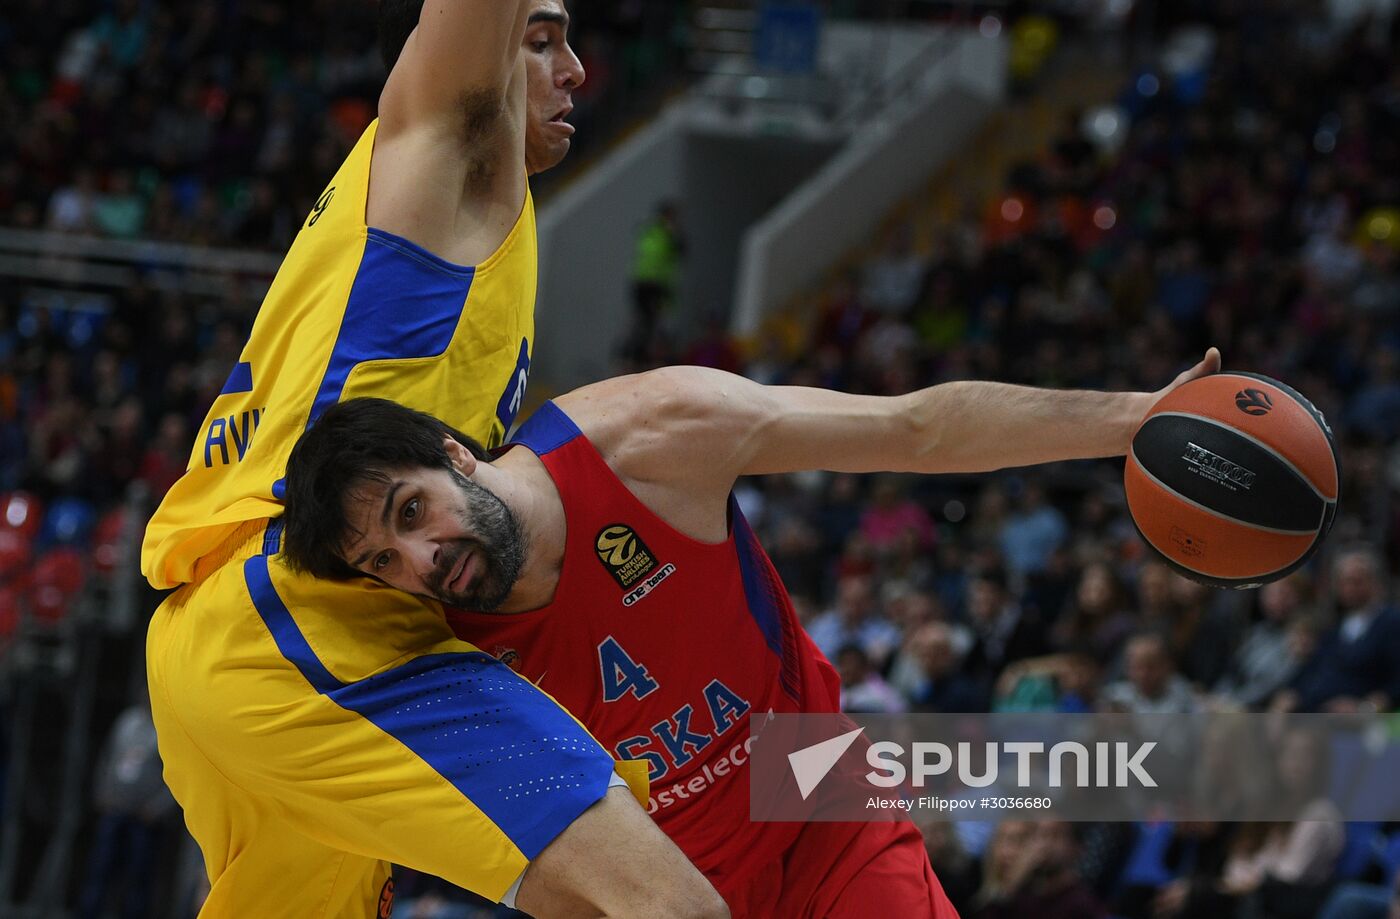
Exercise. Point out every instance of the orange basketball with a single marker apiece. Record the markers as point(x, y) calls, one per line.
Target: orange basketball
point(1233, 479)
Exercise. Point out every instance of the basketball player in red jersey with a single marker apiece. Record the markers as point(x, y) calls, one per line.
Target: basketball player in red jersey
point(605, 559)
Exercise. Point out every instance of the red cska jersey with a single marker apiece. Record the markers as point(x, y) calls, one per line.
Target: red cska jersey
point(663, 646)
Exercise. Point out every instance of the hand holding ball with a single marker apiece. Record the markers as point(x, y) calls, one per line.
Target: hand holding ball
point(1233, 478)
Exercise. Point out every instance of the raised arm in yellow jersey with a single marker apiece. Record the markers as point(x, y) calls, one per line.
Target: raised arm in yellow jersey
point(314, 733)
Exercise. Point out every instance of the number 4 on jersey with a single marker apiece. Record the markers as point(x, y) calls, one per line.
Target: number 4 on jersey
point(621, 674)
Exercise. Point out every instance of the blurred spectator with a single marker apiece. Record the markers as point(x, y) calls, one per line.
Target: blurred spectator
point(891, 517)
point(1053, 683)
point(1331, 258)
point(1357, 666)
point(1097, 620)
point(1032, 532)
point(957, 872)
point(894, 278)
point(840, 511)
point(1040, 877)
point(120, 211)
point(1003, 630)
point(1204, 631)
point(941, 685)
point(134, 809)
point(1153, 686)
point(1008, 839)
point(1191, 863)
point(72, 207)
point(1274, 647)
point(165, 460)
point(911, 610)
point(1283, 869)
point(1375, 409)
point(656, 265)
point(862, 688)
point(854, 620)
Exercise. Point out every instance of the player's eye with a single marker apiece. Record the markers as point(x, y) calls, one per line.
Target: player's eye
point(381, 561)
point(540, 46)
point(410, 510)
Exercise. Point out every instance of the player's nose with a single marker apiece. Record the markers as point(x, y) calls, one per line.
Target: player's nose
point(424, 555)
point(572, 74)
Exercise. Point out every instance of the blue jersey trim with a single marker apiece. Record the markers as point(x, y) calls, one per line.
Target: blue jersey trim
point(285, 633)
point(519, 757)
point(509, 405)
point(546, 430)
point(763, 596)
point(405, 303)
point(240, 380)
point(413, 250)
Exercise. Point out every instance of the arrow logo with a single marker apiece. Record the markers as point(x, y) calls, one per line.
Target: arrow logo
point(811, 764)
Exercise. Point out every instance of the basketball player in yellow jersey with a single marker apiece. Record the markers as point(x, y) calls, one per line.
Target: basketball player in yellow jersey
point(316, 732)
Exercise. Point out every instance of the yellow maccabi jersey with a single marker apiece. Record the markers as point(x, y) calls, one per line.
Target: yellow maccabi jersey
point(316, 732)
point(353, 311)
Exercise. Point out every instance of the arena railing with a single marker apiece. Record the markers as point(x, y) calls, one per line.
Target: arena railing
point(95, 262)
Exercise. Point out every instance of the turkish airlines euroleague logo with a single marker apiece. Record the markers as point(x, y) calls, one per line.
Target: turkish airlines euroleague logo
point(624, 554)
point(1253, 402)
point(386, 900)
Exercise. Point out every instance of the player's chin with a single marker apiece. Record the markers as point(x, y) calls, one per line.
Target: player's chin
point(486, 597)
point(558, 149)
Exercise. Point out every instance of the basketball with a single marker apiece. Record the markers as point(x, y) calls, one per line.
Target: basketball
point(1233, 479)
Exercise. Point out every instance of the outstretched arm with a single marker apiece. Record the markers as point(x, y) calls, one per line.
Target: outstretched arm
point(703, 426)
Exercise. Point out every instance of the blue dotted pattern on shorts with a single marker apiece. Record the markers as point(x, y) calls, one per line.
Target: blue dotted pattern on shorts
point(520, 758)
point(509, 748)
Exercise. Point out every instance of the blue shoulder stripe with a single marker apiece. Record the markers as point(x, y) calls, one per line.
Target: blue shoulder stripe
point(283, 627)
point(239, 380)
point(546, 430)
point(405, 303)
point(765, 596)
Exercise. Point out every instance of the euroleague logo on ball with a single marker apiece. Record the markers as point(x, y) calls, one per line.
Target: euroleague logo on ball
point(1253, 402)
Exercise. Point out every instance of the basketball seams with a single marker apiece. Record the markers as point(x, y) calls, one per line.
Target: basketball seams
point(1137, 477)
point(1272, 450)
point(1166, 489)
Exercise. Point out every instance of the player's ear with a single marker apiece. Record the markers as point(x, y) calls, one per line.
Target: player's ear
point(461, 457)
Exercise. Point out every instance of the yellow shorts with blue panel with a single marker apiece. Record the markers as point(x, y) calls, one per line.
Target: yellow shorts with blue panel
point(317, 731)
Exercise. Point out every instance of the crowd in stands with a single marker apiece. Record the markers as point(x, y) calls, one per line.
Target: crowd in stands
point(220, 123)
point(1250, 206)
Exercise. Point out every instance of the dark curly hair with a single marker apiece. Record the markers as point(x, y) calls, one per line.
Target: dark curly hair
point(356, 443)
